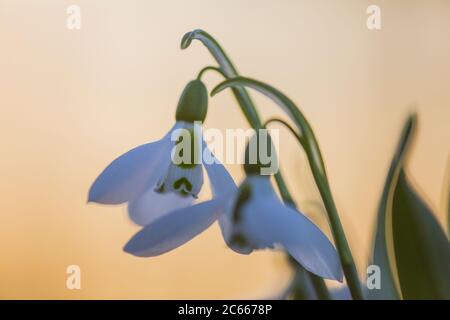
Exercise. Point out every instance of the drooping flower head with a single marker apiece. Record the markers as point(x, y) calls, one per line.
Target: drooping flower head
point(259, 220)
point(159, 177)
point(251, 217)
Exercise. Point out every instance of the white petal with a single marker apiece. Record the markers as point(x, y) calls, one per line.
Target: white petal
point(127, 177)
point(174, 229)
point(228, 231)
point(222, 185)
point(267, 223)
point(153, 205)
point(271, 223)
point(232, 229)
point(221, 182)
point(309, 246)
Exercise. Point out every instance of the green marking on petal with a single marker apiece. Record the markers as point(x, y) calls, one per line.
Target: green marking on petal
point(243, 197)
point(239, 240)
point(185, 182)
point(177, 185)
point(160, 188)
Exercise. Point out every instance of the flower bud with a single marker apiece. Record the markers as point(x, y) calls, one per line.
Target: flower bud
point(193, 103)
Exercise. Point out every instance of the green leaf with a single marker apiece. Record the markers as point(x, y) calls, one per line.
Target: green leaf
point(448, 200)
point(445, 197)
point(411, 248)
point(421, 247)
point(382, 246)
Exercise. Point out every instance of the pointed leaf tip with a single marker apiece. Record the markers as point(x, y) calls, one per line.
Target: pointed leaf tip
point(382, 242)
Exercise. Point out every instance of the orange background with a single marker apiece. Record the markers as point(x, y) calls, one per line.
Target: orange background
point(73, 100)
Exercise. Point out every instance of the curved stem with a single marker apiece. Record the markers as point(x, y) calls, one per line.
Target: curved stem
point(241, 95)
point(280, 182)
point(320, 287)
point(243, 99)
point(316, 163)
point(210, 68)
point(288, 126)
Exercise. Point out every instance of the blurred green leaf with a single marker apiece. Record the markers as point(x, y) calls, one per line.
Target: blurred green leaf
point(446, 195)
point(421, 247)
point(382, 246)
point(448, 210)
point(411, 248)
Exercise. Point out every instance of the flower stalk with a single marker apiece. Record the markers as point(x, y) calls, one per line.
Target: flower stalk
point(316, 163)
point(227, 69)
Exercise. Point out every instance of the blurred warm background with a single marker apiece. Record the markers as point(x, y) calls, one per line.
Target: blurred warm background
point(73, 100)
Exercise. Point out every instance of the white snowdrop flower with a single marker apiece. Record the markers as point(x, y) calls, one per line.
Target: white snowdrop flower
point(260, 220)
point(150, 178)
point(251, 217)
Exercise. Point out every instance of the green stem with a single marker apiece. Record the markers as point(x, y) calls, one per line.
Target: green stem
point(316, 163)
point(318, 283)
point(303, 282)
point(210, 68)
point(288, 126)
point(241, 95)
point(245, 102)
point(320, 287)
